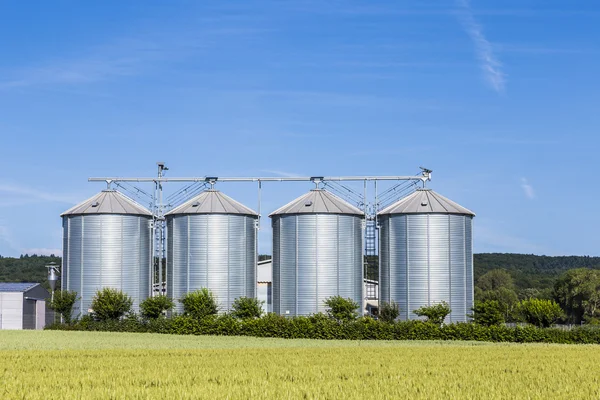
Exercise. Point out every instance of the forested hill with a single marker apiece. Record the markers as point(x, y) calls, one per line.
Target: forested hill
point(531, 271)
point(528, 271)
point(26, 268)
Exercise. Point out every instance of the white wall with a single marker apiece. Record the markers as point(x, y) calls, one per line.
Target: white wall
point(11, 310)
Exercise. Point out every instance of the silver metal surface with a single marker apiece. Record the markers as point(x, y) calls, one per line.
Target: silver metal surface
point(318, 201)
point(106, 250)
point(424, 177)
point(425, 259)
point(108, 202)
point(214, 251)
point(316, 256)
point(212, 202)
point(425, 201)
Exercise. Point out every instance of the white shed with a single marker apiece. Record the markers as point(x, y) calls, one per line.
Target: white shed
point(23, 306)
point(264, 277)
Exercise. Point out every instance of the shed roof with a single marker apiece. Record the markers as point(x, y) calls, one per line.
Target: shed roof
point(108, 202)
point(425, 201)
point(318, 201)
point(17, 286)
point(212, 202)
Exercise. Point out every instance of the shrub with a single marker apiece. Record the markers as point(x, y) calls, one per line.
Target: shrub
point(154, 307)
point(538, 312)
point(487, 313)
point(341, 309)
point(63, 304)
point(110, 304)
point(199, 304)
point(388, 312)
point(246, 308)
point(436, 313)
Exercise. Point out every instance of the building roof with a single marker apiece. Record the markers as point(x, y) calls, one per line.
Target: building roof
point(425, 201)
point(16, 286)
point(318, 201)
point(108, 202)
point(212, 202)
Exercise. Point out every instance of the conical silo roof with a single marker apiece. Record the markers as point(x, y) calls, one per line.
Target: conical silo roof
point(318, 201)
point(212, 202)
point(425, 201)
point(108, 202)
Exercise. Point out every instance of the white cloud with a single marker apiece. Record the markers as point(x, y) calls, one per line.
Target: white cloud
point(491, 66)
point(28, 194)
point(42, 252)
point(527, 189)
point(284, 174)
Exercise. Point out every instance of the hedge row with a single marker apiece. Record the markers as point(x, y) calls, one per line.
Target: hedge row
point(320, 327)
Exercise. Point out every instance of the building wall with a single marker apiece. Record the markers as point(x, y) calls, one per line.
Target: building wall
point(31, 308)
point(11, 310)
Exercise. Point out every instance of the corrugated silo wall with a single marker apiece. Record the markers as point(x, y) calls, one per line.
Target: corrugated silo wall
point(106, 250)
point(214, 251)
point(424, 259)
point(315, 256)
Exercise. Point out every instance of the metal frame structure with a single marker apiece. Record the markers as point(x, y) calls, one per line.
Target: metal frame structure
point(332, 183)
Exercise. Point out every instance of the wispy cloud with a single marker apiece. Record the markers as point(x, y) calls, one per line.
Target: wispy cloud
point(493, 239)
point(7, 237)
point(491, 66)
point(41, 251)
point(28, 194)
point(527, 189)
point(284, 174)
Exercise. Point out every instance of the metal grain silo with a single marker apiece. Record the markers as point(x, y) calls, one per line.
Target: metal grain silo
point(317, 253)
point(426, 254)
point(211, 243)
point(107, 242)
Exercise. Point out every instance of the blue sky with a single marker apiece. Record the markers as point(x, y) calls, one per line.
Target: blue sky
point(498, 98)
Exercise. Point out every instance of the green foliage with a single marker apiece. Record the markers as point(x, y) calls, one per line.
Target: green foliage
point(320, 326)
point(578, 293)
point(495, 279)
point(27, 268)
point(487, 313)
point(246, 307)
point(388, 312)
point(341, 309)
point(199, 304)
point(538, 312)
point(110, 304)
point(63, 304)
point(154, 307)
point(506, 298)
point(435, 314)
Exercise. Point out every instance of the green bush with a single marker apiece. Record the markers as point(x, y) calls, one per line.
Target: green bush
point(435, 314)
point(320, 326)
point(246, 307)
point(538, 312)
point(199, 304)
point(63, 304)
point(154, 307)
point(341, 309)
point(111, 304)
point(487, 313)
point(388, 312)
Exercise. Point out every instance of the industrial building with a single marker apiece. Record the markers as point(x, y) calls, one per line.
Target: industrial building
point(23, 306)
point(322, 244)
point(107, 244)
point(212, 244)
point(317, 253)
point(264, 289)
point(426, 254)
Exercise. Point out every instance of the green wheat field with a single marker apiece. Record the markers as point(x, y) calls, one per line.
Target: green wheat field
point(90, 365)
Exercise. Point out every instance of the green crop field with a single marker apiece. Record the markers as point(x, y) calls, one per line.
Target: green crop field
point(87, 365)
